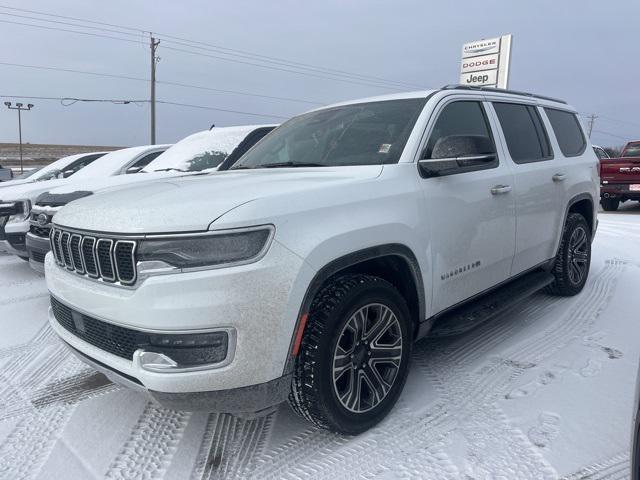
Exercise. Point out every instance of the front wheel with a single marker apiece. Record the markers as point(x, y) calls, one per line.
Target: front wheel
point(609, 204)
point(354, 356)
point(573, 259)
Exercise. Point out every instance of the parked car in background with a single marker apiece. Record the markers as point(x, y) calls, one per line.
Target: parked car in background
point(307, 270)
point(620, 177)
point(62, 168)
point(18, 200)
point(201, 152)
point(600, 152)
point(6, 174)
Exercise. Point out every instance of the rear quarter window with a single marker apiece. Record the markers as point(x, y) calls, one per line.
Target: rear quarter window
point(568, 132)
point(524, 132)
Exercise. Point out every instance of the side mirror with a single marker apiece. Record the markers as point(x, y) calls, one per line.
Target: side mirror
point(133, 169)
point(67, 173)
point(457, 153)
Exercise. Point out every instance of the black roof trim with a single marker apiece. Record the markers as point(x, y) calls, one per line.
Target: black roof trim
point(501, 90)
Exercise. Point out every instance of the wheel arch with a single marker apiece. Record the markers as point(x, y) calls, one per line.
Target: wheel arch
point(393, 262)
point(584, 205)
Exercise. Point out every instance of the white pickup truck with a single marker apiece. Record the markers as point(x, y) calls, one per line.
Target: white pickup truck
point(307, 270)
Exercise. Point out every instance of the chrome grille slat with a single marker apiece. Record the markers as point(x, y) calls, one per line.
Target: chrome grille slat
point(66, 251)
point(106, 259)
point(104, 256)
point(89, 257)
point(76, 257)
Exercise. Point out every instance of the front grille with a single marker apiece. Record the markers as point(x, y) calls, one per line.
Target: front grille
point(40, 231)
point(107, 259)
point(37, 256)
point(40, 221)
point(111, 338)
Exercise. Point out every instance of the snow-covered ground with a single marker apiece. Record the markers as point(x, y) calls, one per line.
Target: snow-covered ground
point(544, 391)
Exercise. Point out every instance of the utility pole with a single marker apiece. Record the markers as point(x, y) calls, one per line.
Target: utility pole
point(154, 59)
point(592, 120)
point(19, 107)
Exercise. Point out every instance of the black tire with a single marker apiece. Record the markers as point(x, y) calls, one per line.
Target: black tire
point(610, 204)
point(26, 259)
point(572, 257)
point(314, 391)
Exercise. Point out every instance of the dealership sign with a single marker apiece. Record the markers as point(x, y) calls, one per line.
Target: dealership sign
point(486, 62)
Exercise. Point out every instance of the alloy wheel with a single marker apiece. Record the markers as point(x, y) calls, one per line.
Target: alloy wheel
point(367, 357)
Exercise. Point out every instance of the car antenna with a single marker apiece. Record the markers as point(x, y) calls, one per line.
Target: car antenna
point(213, 125)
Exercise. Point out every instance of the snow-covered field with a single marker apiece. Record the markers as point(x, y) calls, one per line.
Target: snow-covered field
point(544, 391)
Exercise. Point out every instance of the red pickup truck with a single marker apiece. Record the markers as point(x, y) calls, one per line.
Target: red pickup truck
point(620, 177)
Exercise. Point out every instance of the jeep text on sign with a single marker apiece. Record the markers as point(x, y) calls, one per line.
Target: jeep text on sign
point(488, 77)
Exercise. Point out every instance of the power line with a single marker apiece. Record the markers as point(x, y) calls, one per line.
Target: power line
point(611, 135)
point(162, 82)
point(71, 31)
point(220, 49)
point(73, 100)
point(71, 24)
point(308, 74)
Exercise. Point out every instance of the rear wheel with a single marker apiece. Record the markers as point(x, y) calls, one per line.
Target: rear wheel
point(573, 259)
point(354, 355)
point(609, 204)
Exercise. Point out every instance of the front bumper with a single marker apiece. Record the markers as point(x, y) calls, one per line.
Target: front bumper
point(244, 400)
point(13, 238)
point(37, 248)
point(259, 301)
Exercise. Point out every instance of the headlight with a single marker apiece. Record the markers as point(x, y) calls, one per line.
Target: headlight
point(21, 209)
point(230, 247)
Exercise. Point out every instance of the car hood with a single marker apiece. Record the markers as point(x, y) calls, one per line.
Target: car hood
point(192, 203)
point(30, 190)
point(99, 184)
point(13, 183)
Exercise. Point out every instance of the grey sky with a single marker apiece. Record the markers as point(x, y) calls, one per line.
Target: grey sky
point(583, 51)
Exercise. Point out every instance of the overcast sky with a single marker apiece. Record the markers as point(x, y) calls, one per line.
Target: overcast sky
point(583, 51)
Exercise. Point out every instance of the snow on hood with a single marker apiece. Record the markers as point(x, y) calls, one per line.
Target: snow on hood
point(118, 181)
point(192, 203)
point(30, 191)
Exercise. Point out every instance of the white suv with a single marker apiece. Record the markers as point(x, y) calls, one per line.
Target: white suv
point(308, 269)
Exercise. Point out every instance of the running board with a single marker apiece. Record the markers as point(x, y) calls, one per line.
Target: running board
point(487, 306)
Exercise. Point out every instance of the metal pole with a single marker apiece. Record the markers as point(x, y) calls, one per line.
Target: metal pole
point(19, 108)
point(20, 137)
point(154, 45)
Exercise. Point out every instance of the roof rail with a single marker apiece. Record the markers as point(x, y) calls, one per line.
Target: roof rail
point(500, 90)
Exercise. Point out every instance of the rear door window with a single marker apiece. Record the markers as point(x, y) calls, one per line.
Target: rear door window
point(568, 132)
point(524, 132)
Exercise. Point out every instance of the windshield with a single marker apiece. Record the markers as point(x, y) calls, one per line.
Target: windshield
point(108, 164)
point(200, 151)
point(54, 169)
point(632, 150)
point(362, 134)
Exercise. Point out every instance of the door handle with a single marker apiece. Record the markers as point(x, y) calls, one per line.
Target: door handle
point(500, 189)
point(559, 177)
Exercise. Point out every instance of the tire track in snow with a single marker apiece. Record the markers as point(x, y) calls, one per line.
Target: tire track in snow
point(151, 445)
point(28, 446)
point(577, 321)
point(616, 468)
point(23, 298)
point(230, 446)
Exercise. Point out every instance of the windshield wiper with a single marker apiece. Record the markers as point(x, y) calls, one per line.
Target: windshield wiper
point(172, 169)
point(289, 164)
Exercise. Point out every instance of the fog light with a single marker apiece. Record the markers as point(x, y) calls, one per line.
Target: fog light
point(174, 352)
